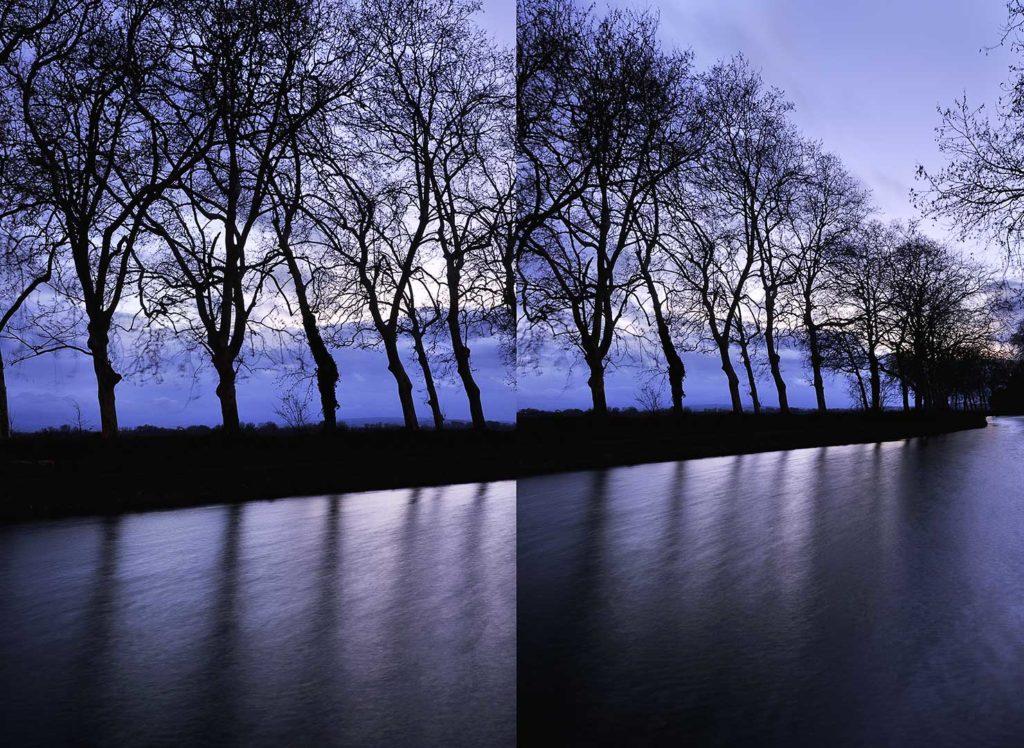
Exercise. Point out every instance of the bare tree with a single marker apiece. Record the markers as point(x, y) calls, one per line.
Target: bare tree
point(372, 202)
point(293, 410)
point(863, 271)
point(941, 311)
point(309, 275)
point(725, 217)
point(703, 251)
point(26, 264)
point(981, 188)
point(649, 397)
point(755, 168)
point(263, 71)
point(579, 270)
point(657, 284)
point(93, 87)
point(829, 207)
point(309, 272)
point(456, 95)
point(677, 138)
point(363, 220)
point(21, 19)
point(749, 337)
point(423, 319)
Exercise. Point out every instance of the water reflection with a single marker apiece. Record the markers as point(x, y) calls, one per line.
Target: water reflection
point(860, 595)
point(94, 659)
point(216, 708)
point(364, 619)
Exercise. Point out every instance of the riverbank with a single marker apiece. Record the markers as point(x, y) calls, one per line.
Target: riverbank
point(565, 441)
point(58, 475)
point(51, 475)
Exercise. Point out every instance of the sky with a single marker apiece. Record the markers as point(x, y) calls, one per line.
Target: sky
point(866, 79)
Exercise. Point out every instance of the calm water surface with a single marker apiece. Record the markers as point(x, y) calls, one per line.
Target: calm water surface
point(384, 618)
point(868, 595)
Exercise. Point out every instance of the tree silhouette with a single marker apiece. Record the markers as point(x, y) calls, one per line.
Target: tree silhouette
point(579, 270)
point(102, 148)
point(829, 207)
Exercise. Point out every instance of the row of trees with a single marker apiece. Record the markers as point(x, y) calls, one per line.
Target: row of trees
point(227, 174)
point(224, 173)
point(662, 205)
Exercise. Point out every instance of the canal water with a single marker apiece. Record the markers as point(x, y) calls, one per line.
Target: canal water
point(866, 595)
point(383, 618)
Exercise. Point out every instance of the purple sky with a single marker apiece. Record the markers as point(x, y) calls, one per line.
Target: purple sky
point(865, 78)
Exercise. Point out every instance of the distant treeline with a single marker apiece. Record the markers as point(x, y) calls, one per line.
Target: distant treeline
point(219, 176)
point(666, 209)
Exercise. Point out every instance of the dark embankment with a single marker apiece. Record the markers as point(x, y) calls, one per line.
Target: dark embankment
point(53, 475)
point(555, 442)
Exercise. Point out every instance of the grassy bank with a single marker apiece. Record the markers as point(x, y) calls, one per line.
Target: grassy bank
point(556, 442)
point(66, 474)
point(54, 475)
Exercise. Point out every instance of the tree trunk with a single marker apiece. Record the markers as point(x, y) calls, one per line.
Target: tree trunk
point(428, 377)
point(815, 350)
point(876, 381)
point(730, 375)
point(326, 366)
point(476, 408)
point(509, 289)
point(773, 360)
point(676, 374)
point(676, 369)
point(5, 413)
point(461, 351)
point(863, 392)
point(596, 384)
point(106, 377)
point(326, 370)
point(905, 391)
point(228, 397)
point(405, 395)
point(751, 379)
point(327, 383)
